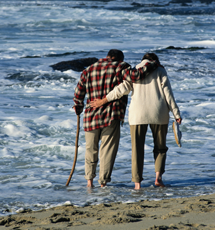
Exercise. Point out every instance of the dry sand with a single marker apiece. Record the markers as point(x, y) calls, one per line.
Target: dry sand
point(183, 213)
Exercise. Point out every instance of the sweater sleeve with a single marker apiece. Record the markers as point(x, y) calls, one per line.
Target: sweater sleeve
point(168, 93)
point(123, 88)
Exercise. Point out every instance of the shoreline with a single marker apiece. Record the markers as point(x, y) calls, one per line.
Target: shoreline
point(176, 213)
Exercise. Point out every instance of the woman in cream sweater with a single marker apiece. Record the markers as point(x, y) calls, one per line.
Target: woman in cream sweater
point(151, 100)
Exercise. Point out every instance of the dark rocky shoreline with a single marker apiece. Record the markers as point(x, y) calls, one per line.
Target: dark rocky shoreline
point(76, 65)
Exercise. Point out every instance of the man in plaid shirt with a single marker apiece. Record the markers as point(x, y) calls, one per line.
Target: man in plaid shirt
point(103, 123)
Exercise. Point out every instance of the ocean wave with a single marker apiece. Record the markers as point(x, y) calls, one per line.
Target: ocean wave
point(26, 76)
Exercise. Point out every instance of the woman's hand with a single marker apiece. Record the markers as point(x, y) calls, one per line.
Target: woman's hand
point(179, 121)
point(98, 103)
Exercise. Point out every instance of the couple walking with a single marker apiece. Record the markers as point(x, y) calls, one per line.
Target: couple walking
point(106, 84)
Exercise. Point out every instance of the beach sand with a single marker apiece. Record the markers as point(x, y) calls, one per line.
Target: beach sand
point(182, 213)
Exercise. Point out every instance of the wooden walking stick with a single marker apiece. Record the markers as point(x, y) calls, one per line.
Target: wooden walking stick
point(76, 150)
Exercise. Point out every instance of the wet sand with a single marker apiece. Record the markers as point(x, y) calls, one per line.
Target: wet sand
point(182, 213)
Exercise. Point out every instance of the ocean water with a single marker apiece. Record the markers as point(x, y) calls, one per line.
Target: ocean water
point(38, 124)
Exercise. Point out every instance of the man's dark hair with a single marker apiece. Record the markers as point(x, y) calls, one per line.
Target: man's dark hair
point(116, 55)
point(151, 57)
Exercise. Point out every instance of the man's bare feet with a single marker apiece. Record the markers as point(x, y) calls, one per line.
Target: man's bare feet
point(159, 183)
point(103, 185)
point(137, 186)
point(90, 183)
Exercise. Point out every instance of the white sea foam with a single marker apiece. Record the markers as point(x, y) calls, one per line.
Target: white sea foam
point(206, 43)
point(15, 131)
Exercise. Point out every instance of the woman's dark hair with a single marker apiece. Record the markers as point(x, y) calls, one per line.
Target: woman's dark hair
point(151, 57)
point(116, 55)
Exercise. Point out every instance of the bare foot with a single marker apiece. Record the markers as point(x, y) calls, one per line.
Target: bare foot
point(159, 183)
point(137, 186)
point(103, 185)
point(90, 183)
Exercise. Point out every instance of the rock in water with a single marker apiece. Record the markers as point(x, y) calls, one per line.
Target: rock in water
point(76, 65)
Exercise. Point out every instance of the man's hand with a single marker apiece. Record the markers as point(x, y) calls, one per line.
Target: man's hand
point(151, 66)
point(78, 110)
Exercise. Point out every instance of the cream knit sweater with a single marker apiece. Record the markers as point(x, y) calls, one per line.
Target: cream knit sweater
point(151, 100)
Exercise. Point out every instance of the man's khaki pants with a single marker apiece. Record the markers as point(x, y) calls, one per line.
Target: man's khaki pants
point(109, 137)
point(138, 134)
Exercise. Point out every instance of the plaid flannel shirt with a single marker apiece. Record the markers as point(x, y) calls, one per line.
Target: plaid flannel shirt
point(98, 80)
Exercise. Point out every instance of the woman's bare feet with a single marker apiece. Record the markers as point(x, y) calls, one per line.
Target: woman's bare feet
point(158, 180)
point(103, 185)
point(137, 186)
point(159, 183)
